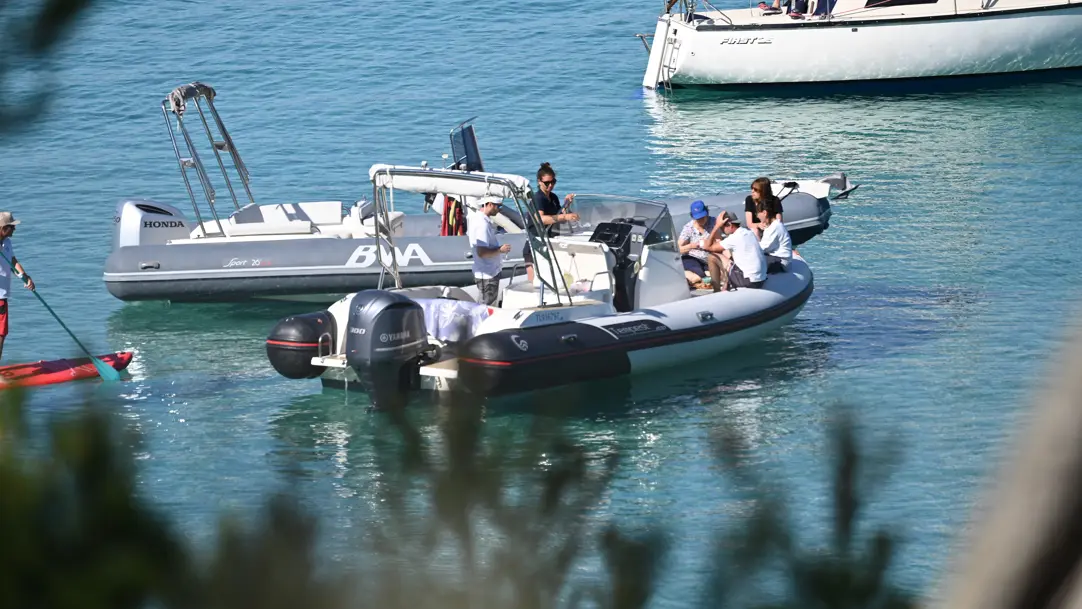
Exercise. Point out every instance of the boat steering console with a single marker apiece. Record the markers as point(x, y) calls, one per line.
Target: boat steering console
point(625, 238)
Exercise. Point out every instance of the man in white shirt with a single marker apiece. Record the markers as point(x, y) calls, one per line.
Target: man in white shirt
point(741, 256)
point(7, 229)
point(487, 251)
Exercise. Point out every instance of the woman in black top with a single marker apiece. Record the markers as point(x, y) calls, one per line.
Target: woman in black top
point(548, 207)
point(761, 194)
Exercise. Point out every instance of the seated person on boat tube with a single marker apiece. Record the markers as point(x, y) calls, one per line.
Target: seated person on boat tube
point(760, 194)
point(487, 258)
point(547, 204)
point(741, 255)
point(776, 243)
point(696, 259)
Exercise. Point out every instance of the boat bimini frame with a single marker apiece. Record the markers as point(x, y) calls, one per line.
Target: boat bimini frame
point(176, 104)
point(474, 184)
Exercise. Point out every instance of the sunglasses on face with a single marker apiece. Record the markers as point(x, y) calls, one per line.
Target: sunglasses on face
point(549, 182)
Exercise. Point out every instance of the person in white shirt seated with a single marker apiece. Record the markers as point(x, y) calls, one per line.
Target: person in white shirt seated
point(741, 255)
point(487, 251)
point(776, 243)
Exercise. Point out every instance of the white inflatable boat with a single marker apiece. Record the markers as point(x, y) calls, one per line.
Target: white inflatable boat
point(320, 250)
point(609, 298)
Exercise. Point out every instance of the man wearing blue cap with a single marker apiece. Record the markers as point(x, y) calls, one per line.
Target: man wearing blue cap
point(695, 258)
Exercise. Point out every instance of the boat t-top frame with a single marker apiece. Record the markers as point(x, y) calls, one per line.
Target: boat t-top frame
point(477, 184)
point(176, 104)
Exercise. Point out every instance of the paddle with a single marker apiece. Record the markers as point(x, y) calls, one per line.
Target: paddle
point(105, 371)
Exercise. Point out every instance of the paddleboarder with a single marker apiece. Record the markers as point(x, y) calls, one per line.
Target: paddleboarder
point(7, 229)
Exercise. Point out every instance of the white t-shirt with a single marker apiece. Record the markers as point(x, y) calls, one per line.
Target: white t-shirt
point(481, 231)
point(776, 242)
point(5, 270)
point(746, 253)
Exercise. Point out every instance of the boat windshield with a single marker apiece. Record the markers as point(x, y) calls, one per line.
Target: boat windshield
point(594, 210)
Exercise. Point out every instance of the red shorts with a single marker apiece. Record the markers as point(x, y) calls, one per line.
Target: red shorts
point(3, 317)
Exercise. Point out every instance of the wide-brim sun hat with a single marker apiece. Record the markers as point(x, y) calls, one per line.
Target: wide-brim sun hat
point(6, 219)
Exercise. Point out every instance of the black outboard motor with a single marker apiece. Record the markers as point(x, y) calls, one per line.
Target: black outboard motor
point(385, 341)
point(293, 343)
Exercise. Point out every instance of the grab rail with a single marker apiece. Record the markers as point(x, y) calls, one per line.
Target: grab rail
point(384, 234)
point(330, 345)
point(643, 37)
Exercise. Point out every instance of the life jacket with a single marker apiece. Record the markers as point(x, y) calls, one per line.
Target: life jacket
point(454, 221)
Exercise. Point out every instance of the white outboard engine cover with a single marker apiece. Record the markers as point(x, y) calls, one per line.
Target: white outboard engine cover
point(145, 222)
point(385, 339)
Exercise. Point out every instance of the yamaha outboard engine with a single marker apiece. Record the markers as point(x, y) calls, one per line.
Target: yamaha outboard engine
point(295, 340)
point(385, 341)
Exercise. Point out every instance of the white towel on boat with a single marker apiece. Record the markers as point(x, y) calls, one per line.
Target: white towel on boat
point(444, 318)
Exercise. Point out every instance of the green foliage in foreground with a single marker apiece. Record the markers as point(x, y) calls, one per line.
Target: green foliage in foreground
point(76, 532)
point(30, 33)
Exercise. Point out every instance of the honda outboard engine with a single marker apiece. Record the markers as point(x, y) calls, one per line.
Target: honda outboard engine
point(385, 341)
point(143, 222)
point(295, 340)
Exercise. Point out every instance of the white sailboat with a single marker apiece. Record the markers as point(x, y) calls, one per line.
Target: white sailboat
point(838, 41)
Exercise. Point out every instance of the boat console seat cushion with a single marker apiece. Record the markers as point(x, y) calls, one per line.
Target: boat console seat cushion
point(267, 228)
point(590, 262)
point(434, 291)
point(255, 219)
point(316, 212)
point(249, 214)
point(397, 219)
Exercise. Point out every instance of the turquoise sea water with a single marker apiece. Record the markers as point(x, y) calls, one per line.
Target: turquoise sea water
point(942, 285)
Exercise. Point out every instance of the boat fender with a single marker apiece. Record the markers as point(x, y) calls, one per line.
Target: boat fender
point(295, 340)
point(386, 339)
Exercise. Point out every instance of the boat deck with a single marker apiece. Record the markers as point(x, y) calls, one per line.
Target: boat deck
point(752, 16)
point(858, 10)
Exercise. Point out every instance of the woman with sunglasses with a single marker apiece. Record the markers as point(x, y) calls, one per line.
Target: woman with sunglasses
point(761, 195)
point(547, 204)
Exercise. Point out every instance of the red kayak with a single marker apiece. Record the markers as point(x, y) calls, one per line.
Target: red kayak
point(58, 371)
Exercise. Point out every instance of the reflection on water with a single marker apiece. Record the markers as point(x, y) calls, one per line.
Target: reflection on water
point(1031, 83)
point(940, 142)
point(645, 416)
point(225, 340)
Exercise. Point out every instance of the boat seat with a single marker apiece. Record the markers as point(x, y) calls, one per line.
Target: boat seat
point(255, 219)
point(248, 214)
point(316, 212)
point(435, 291)
point(523, 295)
point(587, 270)
point(579, 261)
point(397, 218)
point(268, 228)
point(342, 231)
